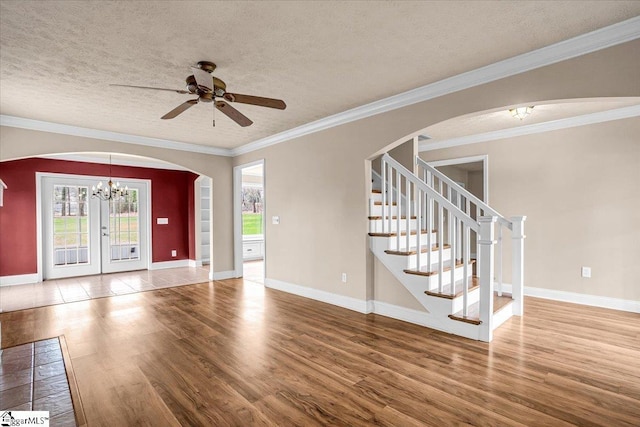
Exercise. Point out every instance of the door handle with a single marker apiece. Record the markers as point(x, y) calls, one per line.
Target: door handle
point(105, 234)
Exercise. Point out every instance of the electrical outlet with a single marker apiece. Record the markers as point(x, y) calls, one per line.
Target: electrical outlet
point(174, 253)
point(586, 272)
point(344, 277)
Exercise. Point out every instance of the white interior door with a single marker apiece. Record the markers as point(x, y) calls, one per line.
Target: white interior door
point(83, 235)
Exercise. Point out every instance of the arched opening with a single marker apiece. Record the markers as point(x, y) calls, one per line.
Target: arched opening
point(53, 228)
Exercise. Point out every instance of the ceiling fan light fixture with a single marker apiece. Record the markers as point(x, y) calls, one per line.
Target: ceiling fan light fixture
point(207, 88)
point(521, 112)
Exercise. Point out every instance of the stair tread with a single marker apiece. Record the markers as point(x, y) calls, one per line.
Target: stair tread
point(387, 217)
point(386, 204)
point(376, 191)
point(422, 272)
point(473, 312)
point(412, 251)
point(402, 233)
point(457, 290)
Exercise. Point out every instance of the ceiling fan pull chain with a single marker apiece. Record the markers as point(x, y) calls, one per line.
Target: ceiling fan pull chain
point(214, 113)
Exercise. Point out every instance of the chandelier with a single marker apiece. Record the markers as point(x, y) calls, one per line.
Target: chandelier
point(521, 112)
point(110, 191)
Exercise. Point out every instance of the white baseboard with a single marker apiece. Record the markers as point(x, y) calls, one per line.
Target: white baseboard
point(417, 317)
point(221, 275)
point(577, 298)
point(169, 264)
point(195, 263)
point(355, 304)
point(19, 279)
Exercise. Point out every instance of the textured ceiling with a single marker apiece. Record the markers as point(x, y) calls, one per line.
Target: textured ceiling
point(473, 124)
point(58, 57)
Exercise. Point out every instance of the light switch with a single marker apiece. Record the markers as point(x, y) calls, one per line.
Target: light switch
point(162, 221)
point(275, 220)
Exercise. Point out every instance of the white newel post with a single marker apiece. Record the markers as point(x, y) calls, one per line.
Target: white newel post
point(486, 243)
point(517, 269)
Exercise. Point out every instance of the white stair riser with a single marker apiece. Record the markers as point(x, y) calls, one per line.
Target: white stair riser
point(375, 225)
point(410, 261)
point(472, 297)
point(376, 197)
point(376, 210)
point(399, 264)
point(392, 242)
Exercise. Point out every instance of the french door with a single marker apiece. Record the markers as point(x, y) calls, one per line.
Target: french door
point(84, 235)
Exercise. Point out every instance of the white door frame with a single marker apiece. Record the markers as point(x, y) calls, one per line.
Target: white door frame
point(39, 212)
point(237, 215)
point(460, 160)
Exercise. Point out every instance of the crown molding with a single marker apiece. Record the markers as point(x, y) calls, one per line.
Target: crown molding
point(586, 119)
point(30, 124)
point(602, 38)
point(583, 44)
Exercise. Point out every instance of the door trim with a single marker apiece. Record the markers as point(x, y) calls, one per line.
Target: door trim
point(237, 215)
point(39, 212)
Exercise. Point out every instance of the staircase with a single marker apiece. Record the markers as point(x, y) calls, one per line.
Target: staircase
point(446, 247)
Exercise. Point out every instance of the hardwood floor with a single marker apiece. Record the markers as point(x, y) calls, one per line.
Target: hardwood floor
point(234, 353)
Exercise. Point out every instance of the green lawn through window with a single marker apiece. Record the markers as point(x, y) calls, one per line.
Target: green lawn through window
point(251, 223)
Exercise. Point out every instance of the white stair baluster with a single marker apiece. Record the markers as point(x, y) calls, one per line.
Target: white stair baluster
point(429, 215)
point(465, 267)
point(418, 222)
point(399, 204)
point(390, 190)
point(517, 269)
point(452, 243)
point(440, 243)
point(499, 260)
point(383, 170)
point(457, 221)
point(407, 209)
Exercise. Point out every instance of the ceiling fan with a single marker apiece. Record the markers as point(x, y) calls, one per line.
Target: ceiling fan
point(211, 89)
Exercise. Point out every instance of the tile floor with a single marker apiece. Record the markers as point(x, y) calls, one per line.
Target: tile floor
point(33, 378)
point(61, 291)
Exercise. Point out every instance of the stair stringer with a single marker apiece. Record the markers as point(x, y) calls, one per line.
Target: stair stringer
point(437, 309)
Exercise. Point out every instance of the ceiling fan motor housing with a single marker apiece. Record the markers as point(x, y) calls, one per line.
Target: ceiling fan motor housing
point(219, 87)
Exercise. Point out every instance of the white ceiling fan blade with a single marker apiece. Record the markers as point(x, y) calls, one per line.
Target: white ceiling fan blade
point(204, 79)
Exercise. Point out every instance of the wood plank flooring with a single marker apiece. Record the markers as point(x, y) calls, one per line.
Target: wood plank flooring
point(234, 353)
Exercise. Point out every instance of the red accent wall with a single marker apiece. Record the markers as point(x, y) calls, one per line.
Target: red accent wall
point(172, 197)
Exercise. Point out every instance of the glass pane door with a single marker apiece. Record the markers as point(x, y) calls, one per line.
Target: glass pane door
point(124, 231)
point(70, 219)
point(70, 229)
point(124, 237)
point(84, 235)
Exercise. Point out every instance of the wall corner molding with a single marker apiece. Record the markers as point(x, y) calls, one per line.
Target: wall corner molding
point(355, 304)
point(577, 298)
point(19, 279)
point(583, 44)
point(30, 124)
point(169, 264)
point(222, 275)
point(570, 122)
